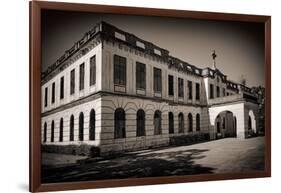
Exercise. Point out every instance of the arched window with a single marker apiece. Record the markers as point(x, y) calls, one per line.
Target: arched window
point(249, 123)
point(71, 128)
point(53, 131)
point(197, 122)
point(181, 123)
point(61, 130)
point(140, 123)
point(157, 123)
point(190, 122)
point(45, 132)
point(92, 125)
point(81, 127)
point(171, 122)
point(119, 123)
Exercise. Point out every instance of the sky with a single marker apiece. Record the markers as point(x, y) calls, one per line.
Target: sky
point(239, 45)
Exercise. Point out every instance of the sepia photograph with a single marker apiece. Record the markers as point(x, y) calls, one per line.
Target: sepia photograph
point(132, 96)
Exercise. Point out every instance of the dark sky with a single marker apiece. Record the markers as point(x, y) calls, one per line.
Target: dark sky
point(239, 46)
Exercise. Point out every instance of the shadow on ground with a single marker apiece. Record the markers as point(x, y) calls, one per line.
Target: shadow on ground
point(132, 165)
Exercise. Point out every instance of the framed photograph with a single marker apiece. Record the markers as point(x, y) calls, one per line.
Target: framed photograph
point(124, 96)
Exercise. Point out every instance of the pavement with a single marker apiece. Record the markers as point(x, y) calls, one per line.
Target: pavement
point(219, 156)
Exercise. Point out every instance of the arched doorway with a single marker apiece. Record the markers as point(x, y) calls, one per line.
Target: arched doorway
point(225, 125)
point(252, 123)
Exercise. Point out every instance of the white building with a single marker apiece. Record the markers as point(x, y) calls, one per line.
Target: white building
point(117, 92)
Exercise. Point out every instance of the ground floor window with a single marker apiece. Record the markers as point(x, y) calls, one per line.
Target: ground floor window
point(171, 122)
point(53, 131)
point(197, 122)
point(190, 123)
point(92, 125)
point(140, 123)
point(61, 130)
point(157, 123)
point(119, 123)
point(81, 127)
point(71, 128)
point(181, 123)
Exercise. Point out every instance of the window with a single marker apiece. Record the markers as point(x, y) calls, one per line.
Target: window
point(45, 133)
point(53, 92)
point(46, 96)
point(61, 130)
point(181, 123)
point(190, 123)
point(223, 92)
point(119, 123)
point(157, 74)
point(53, 131)
point(171, 85)
point(189, 84)
point(180, 87)
point(157, 123)
point(218, 91)
point(72, 81)
point(93, 70)
point(227, 94)
point(211, 91)
point(81, 76)
point(171, 122)
point(62, 87)
point(92, 125)
point(71, 128)
point(81, 127)
point(140, 75)
point(140, 123)
point(119, 70)
point(223, 123)
point(197, 88)
point(197, 122)
point(120, 36)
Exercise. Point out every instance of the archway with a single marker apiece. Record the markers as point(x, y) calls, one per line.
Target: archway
point(225, 125)
point(252, 122)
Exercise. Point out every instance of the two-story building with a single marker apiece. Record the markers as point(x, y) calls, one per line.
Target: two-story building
point(117, 92)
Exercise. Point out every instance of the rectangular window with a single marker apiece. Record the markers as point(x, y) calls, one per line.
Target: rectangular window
point(157, 74)
point(223, 92)
point(53, 92)
point(81, 76)
point(72, 81)
point(140, 75)
point(119, 70)
point(211, 91)
point(171, 85)
point(180, 87)
point(197, 91)
point(62, 87)
point(93, 70)
point(189, 84)
point(218, 91)
point(46, 96)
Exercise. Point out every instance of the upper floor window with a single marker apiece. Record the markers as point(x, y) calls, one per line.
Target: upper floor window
point(171, 85)
point(53, 92)
point(62, 87)
point(81, 76)
point(157, 74)
point(120, 70)
point(180, 87)
point(189, 85)
point(93, 70)
point(72, 81)
point(140, 75)
point(211, 91)
point(218, 91)
point(46, 96)
point(197, 88)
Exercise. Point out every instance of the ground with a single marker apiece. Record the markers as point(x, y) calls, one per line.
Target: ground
point(220, 156)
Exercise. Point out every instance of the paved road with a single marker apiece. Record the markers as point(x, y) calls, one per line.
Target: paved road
point(220, 156)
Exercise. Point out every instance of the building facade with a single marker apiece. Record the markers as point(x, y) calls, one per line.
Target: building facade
point(117, 92)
